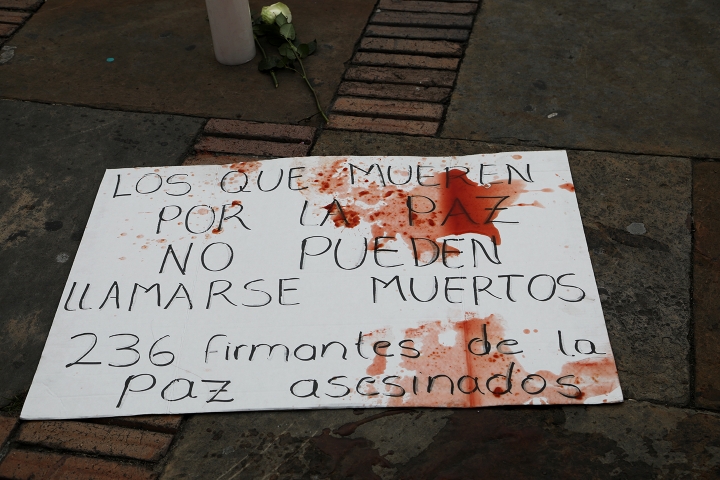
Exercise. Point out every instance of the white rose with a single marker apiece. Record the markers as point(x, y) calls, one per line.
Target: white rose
point(269, 13)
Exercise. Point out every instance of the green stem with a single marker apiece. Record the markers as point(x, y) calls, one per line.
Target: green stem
point(262, 50)
point(304, 76)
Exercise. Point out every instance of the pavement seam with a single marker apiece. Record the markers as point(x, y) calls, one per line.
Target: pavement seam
point(692, 386)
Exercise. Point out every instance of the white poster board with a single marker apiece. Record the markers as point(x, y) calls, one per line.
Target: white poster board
point(329, 282)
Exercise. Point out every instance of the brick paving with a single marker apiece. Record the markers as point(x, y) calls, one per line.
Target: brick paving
point(28, 465)
point(407, 45)
point(96, 439)
point(13, 14)
point(230, 141)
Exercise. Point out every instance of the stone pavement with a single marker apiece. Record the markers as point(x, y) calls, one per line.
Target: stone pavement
point(630, 89)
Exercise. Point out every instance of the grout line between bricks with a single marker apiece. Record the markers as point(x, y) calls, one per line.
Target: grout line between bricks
point(30, 447)
point(692, 360)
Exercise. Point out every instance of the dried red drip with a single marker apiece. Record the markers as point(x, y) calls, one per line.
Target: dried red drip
point(215, 230)
point(567, 186)
point(235, 203)
point(533, 204)
point(498, 392)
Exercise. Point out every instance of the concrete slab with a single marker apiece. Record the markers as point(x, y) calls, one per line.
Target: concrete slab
point(629, 76)
point(51, 161)
point(643, 279)
point(706, 283)
point(164, 61)
point(631, 440)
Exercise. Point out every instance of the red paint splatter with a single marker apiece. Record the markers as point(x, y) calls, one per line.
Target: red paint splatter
point(533, 204)
point(235, 203)
point(378, 365)
point(216, 230)
point(567, 186)
point(517, 157)
point(344, 216)
point(246, 167)
point(489, 368)
point(526, 331)
point(449, 197)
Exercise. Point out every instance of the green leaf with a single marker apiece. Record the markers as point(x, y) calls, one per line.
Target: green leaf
point(288, 31)
point(280, 20)
point(283, 49)
point(312, 46)
point(266, 65)
point(303, 50)
point(271, 63)
point(276, 40)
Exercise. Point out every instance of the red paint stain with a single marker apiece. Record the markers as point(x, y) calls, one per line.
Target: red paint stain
point(344, 217)
point(378, 366)
point(526, 331)
point(379, 363)
point(567, 186)
point(246, 167)
point(216, 231)
point(517, 157)
point(592, 377)
point(235, 203)
point(449, 197)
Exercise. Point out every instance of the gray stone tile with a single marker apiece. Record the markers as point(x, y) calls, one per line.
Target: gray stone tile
point(629, 76)
point(52, 159)
point(634, 440)
point(164, 60)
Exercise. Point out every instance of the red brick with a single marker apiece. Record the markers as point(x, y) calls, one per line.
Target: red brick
point(251, 147)
point(7, 29)
point(210, 159)
point(417, 61)
point(422, 19)
point(17, 18)
point(21, 4)
point(7, 424)
point(383, 125)
point(425, 6)
point(96, 439)
point(25, 465)
point(260, 131)
point(399, 45)
point(430, 78)
point(399, 92)
point(388, 108)
point(155, 423)
point(419, 33)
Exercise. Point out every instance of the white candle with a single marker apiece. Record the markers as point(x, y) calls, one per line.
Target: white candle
point(231, 28)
